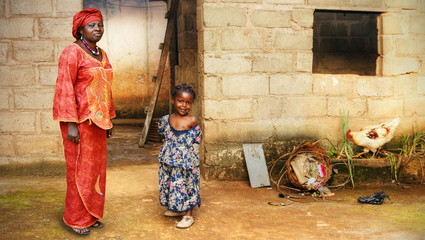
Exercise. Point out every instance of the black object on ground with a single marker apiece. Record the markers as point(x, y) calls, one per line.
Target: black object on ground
point(376, 198)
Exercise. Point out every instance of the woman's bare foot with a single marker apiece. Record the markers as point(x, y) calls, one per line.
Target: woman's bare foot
point(81, 231)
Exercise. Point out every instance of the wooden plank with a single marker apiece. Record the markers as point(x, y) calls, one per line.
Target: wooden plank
point(171, 15)
point(256, 164)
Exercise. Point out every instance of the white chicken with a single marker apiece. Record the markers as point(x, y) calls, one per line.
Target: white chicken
point(373, 137)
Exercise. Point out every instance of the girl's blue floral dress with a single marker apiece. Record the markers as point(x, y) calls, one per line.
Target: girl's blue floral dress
point(179, 176)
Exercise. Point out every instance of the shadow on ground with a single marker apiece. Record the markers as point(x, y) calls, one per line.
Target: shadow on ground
point(31, 207)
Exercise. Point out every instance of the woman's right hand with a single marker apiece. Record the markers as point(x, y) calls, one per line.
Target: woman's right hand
point(73, 134)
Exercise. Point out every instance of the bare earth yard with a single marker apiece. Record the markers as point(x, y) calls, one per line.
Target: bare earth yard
point(31, 207)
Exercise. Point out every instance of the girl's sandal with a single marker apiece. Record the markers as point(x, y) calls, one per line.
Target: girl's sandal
point(97, 224)
point(81, 231)
point(186, 222)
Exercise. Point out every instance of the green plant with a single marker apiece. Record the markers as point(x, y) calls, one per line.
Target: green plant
point(346, 148)
point(412, 144)
point(393, 166)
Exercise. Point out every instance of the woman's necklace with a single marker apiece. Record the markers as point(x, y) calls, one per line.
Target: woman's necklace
point(96, 53)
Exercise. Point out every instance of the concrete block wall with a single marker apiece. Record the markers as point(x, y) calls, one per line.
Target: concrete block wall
point(33, 34)
point(257, 83)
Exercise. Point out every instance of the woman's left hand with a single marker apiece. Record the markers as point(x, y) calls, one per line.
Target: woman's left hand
point(110, 132)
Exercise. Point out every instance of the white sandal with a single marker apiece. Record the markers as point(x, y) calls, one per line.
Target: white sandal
point(186, 222)
point(174, 214)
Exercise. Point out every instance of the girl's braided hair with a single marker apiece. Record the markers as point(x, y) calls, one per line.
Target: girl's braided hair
point(183, 88)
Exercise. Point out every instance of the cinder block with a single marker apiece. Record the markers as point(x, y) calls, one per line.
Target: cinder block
point(6, 146)
point(421, 85)
point(385, 108)
point(187, 58)
point(56, 28)
point(392, 23)
point(3, 52)
point(399, 65)
point(4, 98)
point(403, 4)
point(255, 131)
point(224, 16)
point(411, 45)
point(48, 75)
point(2, 13)
point(284, 84)
point(388, 45)
point(416, 24)
point(270, 19)
point(227, 63)
point(70, 8)
point(39, 145)
point(16, 28)
point(242, 39)
point(209, 40)
point(356, 106)
point(414, 105)
point(272, 62)
point(31, 7)
point(304, 17)
point(61, 45)
point(30, 99)
point(33, 51)
point(187, 7)
point(17, 122)
point(366, 3)
point(267, 108)
point(298, 2)
point(304, 62)
point(210, 131)
point(17, 75)
point(294, 41)
point(242, 1)
point(375, 86)
point(228, 109)
point(212, 88)
point(405, 85)
point(245, 85)
point(47, 122)
point(334, 85)
point(307, 128)
point(223, 156)
point(334, 3)
point(304, 106)
point(188, 40)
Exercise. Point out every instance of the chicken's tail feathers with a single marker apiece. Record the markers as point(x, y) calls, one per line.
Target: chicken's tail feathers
point(394, 123)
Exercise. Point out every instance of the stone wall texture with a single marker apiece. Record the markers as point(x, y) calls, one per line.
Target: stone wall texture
point(257, 83)
point(251, 63)
point(33, 34)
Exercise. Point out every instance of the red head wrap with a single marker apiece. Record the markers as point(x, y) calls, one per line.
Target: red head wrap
point(83, 17)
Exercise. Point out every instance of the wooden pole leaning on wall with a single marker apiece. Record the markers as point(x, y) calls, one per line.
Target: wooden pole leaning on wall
point(172, 16)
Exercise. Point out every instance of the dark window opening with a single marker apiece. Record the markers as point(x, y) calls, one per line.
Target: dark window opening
point(345, 42)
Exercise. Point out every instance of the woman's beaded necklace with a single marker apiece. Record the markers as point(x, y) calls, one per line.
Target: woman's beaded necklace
point(96, 53)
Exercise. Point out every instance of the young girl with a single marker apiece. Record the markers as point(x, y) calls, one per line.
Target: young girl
point(178, 159)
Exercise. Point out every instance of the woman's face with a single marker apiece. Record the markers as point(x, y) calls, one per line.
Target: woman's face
point(92, 31)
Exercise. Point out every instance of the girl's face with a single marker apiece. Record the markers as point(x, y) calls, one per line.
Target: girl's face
point(182, 103)
point(92, 31)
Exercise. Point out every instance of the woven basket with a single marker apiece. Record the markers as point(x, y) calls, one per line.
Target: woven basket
point(317, 153)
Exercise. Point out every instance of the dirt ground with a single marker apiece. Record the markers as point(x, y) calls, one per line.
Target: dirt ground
point(31, 207)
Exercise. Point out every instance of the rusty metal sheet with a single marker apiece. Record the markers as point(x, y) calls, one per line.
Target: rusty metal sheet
point(256, 164)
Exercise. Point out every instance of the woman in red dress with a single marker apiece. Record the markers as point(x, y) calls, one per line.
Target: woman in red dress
point(83, 105)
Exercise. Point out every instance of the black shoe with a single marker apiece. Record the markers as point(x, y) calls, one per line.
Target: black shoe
point(376, 198)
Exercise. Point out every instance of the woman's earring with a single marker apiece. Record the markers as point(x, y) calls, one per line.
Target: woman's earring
point(81, 37)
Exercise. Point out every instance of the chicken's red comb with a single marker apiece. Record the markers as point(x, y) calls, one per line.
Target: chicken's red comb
point(347, 133)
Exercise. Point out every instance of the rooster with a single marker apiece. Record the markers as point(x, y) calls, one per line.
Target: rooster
point(373, 137)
